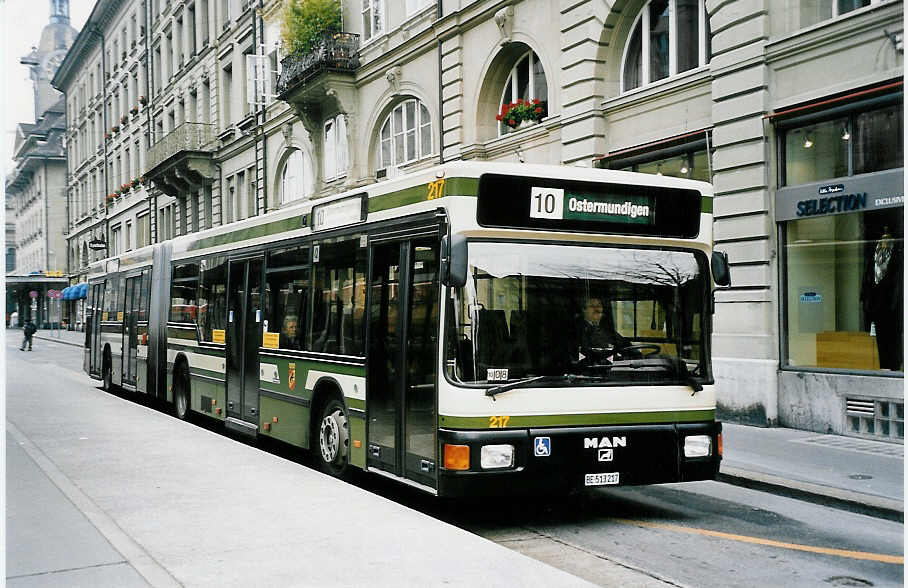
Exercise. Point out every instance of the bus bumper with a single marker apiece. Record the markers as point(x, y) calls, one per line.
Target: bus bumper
point(549, 460)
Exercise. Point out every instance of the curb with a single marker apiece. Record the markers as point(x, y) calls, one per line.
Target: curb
point(56, 340)
point(868, 504)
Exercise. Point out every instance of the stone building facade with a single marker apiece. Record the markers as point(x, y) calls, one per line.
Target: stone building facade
point(713, 90)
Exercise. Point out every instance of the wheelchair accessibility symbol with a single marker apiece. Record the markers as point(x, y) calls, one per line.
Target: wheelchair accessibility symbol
point(542, 447)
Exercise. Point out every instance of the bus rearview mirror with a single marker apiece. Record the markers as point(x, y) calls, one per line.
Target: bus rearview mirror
point(454, 260)
point(720, 268)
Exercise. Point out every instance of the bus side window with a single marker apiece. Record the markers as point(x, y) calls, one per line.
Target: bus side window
point(183, 291)
point(287, 295)
point(212, 315)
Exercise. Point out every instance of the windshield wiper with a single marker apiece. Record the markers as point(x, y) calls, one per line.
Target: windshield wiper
point(676, 364)
point(686, 376)
point(527, 381)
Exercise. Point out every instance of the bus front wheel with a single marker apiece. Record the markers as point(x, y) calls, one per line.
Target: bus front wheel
point(333, 439)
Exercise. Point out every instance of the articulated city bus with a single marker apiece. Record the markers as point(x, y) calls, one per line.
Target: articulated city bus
point(472, 328)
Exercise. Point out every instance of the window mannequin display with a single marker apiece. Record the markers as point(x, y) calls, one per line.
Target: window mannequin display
point(881, 297)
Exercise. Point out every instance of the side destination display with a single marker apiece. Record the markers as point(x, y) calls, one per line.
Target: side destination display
point(566, 205)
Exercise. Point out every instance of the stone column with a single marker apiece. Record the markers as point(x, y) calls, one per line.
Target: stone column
point(452, 98)
point(745, 340)
point(581, 87)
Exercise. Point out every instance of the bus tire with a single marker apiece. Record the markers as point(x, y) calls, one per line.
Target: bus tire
point(181, 393)
point(332, 439)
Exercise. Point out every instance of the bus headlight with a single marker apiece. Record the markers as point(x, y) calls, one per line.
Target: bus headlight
point(697, 446)
point(493, 457)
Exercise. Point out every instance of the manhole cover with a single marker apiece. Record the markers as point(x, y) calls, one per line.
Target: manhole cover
point(860, 477)
point(848, 581)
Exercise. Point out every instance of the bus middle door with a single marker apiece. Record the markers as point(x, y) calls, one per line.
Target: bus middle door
point(244, 337)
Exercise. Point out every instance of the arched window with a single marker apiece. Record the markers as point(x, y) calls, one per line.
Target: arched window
point(668, 38)
point(406, 135)
point(524, 100)
point(296, 177)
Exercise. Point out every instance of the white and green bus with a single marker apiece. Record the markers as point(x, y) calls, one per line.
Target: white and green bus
point(441, 328)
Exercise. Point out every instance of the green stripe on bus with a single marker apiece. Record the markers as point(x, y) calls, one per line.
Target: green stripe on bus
point(567, 420)
point(706, 204)
point(279, 226)
point(400, 198)
point(453, 187)
point(177, 333)
point(462, 187)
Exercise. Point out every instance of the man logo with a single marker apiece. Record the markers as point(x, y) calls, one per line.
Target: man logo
point(606, 454)
point(594, 442)
point(291, 376)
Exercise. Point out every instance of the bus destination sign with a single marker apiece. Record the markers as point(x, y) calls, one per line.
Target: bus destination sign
point(600, 207)
point(558, 204)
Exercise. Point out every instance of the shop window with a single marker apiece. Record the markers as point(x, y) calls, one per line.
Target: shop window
point(524, 100)
point(213, 300)
point(687, 160)
point(296, 177)
point(406, 135)
point(669, 37)
point(863, 141)
point(287, 295)
point(338, 300)
point(183, 290)
point(844, 290)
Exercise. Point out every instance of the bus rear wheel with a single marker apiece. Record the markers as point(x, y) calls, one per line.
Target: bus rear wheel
point(181, 394)
point(333, 439)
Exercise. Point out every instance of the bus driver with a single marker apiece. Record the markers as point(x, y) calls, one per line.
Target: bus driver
point(598, 338)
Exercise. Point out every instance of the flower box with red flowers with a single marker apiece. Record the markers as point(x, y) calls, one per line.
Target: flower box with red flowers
point(124, 119)
point(134, 110)
point(142, 100)
point(514, 113)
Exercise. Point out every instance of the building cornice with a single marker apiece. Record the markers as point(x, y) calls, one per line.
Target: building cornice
point(85, 42)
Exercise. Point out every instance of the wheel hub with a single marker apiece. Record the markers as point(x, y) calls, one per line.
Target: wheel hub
point(333, 436)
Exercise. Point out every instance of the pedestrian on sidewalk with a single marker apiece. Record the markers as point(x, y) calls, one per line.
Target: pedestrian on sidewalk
point(29, 332)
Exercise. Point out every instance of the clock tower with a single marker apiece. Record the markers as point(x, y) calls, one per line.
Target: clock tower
point(56, 39)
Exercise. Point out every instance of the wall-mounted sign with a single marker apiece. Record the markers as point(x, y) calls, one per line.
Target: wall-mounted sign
point(872, 191)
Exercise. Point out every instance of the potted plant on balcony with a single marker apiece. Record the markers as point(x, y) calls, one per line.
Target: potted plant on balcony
point(124, 119)
point(522, 113)
point(110, 199)
point(134, 110)
point(304, 23)
point(107, 136)
point(142, 100)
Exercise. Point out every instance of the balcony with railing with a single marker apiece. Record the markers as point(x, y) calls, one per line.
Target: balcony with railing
point(334, 53)
point(181, 161)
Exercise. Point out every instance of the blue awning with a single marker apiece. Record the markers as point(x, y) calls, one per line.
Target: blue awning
point(67, 291)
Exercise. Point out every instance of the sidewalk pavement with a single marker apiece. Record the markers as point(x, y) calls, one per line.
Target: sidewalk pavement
point(76, 338)
point(856, 473)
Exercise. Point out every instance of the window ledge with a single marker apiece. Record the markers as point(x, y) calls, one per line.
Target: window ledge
point(670, 85)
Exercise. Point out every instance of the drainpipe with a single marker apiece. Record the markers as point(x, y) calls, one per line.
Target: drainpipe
point(441, 116)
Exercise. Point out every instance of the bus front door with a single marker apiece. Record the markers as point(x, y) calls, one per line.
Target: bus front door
point(401, 391)
point(244, 337)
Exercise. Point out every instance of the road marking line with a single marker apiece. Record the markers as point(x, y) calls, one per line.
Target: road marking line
point(879, 557)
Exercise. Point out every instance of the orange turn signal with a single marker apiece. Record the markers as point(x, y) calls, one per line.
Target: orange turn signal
point(719, 445)
point(267, 426)
point(357, 443)
point(457, 457)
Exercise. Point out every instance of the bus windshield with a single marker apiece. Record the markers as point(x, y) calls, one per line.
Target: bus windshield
point(577, 314)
